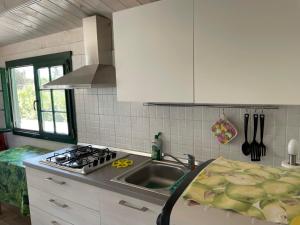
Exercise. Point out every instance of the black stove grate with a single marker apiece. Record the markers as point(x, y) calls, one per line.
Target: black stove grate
point(80, 156)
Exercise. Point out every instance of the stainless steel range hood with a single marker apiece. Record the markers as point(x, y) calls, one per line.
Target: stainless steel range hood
point(98, 72)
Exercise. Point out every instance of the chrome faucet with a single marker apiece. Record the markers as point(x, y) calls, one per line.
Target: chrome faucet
point(191, 160)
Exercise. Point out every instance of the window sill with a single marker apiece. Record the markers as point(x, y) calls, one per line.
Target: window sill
point(5, 130)
point(46, 137)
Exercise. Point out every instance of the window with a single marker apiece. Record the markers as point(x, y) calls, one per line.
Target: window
point(39, 112)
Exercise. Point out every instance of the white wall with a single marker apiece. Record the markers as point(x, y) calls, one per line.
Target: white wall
point(101, 119)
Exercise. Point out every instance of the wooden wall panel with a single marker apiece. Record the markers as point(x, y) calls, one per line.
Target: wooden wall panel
point(26, 19)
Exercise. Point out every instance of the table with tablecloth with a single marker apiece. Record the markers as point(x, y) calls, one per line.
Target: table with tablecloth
point(13, 186)
point(229, 192)
point(268, 194)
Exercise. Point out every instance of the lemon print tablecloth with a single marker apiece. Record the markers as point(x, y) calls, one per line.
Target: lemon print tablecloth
point(266, 193)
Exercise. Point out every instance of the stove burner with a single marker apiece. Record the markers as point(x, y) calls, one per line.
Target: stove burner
point(83, 159)
point(61, 158)
point(76, 164)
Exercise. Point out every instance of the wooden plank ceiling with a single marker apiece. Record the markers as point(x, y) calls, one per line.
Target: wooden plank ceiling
point(24, 19)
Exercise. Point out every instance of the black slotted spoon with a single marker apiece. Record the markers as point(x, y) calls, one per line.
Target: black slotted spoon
point(246, 146)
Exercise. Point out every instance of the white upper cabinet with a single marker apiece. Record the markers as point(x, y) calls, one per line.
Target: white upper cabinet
point(247, 52)
point(154, 52)
point(209, 52)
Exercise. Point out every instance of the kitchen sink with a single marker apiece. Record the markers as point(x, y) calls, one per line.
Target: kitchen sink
point(154, 176)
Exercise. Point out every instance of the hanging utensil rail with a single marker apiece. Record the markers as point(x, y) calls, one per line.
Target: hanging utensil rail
point(220, 106)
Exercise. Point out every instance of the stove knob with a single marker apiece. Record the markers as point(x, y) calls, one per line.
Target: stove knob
point(113, 155)
point(108, 157)
point(95, 163)
point(101, 160)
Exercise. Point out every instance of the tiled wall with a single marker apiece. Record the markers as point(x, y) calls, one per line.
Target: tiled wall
point(105, 121)
point(102, 120)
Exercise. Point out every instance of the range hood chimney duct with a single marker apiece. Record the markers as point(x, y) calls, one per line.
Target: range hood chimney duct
point(98, 72)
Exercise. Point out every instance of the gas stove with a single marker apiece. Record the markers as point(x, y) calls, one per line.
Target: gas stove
point(82, 159)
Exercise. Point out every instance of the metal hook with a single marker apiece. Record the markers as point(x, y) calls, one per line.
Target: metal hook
point(223, 114)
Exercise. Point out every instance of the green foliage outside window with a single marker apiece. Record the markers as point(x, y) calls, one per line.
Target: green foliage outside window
point(26, 96)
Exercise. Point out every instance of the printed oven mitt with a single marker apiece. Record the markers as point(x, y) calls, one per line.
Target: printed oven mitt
point(224, 130)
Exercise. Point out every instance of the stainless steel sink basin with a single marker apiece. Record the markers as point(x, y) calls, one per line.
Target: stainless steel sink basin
point(155, 176)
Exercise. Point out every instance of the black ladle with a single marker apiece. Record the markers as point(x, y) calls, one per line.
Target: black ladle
point(246, 146)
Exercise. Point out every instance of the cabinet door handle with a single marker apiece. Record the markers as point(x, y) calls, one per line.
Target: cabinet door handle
point(58, 204)
point(124, 203)
point(55, 181)
point(54, 222)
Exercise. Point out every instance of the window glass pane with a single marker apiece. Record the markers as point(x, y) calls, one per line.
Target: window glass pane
point(59, 99)
point(46, 103)
point(61, 123)
point(56, 72)
point(43, 76)
point(23, 90)
point(48, 124)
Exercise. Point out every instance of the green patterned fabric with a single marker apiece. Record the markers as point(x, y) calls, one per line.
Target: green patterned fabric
point(13, 186)
point(262, 192)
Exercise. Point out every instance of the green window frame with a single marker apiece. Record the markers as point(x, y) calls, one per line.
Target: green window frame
point(5, 106)
point(45, 63)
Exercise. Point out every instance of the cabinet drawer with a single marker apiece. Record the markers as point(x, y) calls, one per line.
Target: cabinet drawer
point(62, 208)
point(39, 217)
point(117, 209)
point(64, 187)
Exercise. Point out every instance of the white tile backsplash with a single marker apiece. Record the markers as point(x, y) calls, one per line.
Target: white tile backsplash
point(106, 104)
point(101, 119)
point(139, 110)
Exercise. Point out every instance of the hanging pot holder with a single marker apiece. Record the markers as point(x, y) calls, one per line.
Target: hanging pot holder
point(224, 130)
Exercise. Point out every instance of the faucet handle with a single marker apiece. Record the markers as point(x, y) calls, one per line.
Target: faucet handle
point(190, 156)
point(191, 161)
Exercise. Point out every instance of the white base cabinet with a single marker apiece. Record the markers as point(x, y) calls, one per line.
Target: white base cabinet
point(61, 200)
point(65, 188)
point(55, 200)
point(59, 207)
point(117, 209)
point(39, 217)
